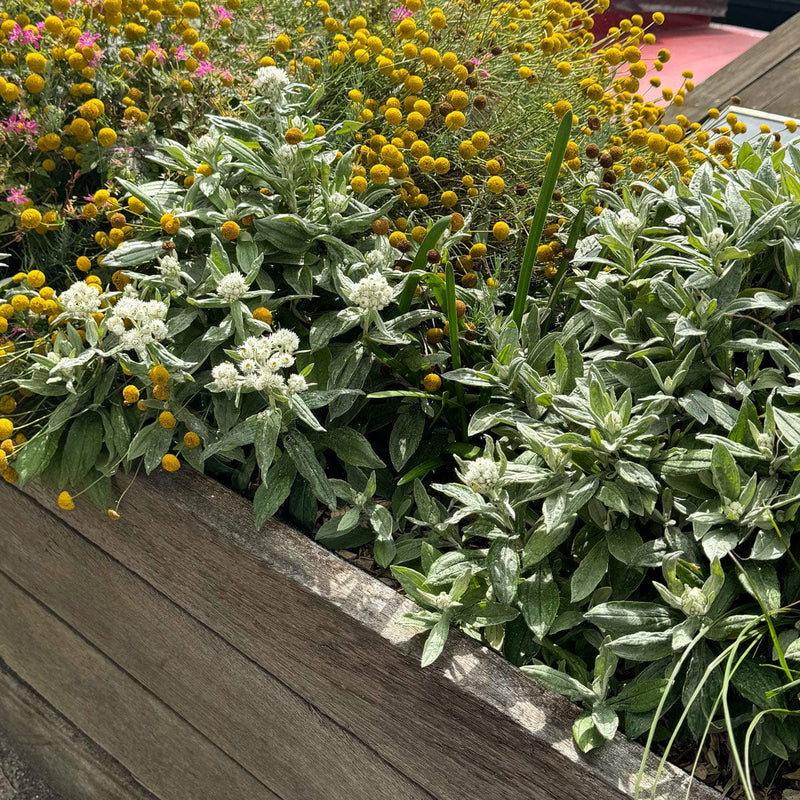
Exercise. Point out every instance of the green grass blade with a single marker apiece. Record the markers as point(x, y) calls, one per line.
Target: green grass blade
point(540, 217)
point(420, 262)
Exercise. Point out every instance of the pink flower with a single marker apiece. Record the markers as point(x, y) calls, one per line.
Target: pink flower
point(17, 123)
point(159, 52)
point(181, 53)
point(17, 197)
point(396, 14)
point(205, 68)
point(222, 13)
point(88, 39)
point(25, 36)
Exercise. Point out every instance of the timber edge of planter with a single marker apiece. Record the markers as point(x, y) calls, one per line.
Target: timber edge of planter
point(211, 661)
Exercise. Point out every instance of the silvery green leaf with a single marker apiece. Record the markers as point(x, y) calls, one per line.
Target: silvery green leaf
point(298, 404)
point(450, 566)
point(788, 425)
point(672, 599)
point(437, 638)
point(643, 645)
point(605, 720)
point(405, 437)
point(351, 447)
point(503, 565)
point(585, 733)
point(637, 475)
point(268, 426)
point(620, 617)
point(590, 572)
point(485, 614)
point(768, 546)
point(612, 497)
point(683, 634)
point(714, 582)
point(639, 696)
point(298, 448)
point(415, 586)
point(724, 472)
point(760, 580)
point(624, 544)
point(718, 543)
point(560, 682)
point(539, 599)
point(330, 325)
point(792, 652)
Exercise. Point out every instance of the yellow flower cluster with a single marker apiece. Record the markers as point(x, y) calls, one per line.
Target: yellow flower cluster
point(145, 54)
point(457, 105)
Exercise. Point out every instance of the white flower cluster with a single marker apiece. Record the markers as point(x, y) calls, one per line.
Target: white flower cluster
point(371, 293)
point(232, 287)
point(261, 359)
point(138, 323)
point(170, 267)
point(270, 83)
point(481, 475)
point(627, 223)
point(81, 300)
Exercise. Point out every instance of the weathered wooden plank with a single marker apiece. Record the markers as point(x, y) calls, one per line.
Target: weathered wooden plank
point(65, 758)
point(470, 724)
point(163, 752)
point(775, 91)
point(703, 8)
point(751, 77)
point(253, 717)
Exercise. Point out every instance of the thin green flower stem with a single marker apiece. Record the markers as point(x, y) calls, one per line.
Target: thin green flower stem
point(455, 345)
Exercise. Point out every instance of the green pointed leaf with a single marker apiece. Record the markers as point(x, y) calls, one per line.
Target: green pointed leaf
point(539, 599)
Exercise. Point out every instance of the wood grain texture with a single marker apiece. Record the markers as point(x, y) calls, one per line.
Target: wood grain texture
point(763, 77)
point(471, 724)
point(67, 760)
point(115, 711)
point(253, 717)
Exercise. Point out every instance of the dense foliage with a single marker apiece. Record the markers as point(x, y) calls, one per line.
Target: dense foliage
point(442, 283)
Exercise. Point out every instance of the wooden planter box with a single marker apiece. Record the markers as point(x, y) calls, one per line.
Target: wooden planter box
point(180, 654)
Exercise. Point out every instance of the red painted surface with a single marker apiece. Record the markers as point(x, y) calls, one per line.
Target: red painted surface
point(704, 49)
point(694, 42)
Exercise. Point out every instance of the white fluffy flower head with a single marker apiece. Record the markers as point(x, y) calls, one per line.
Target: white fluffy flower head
point(232, 287)
point(138, 323)
point(259, 364)
point(372, 293)
point(284, 341)
point(270, 82)
point(482, 474)
point(627, 222)
point(80, 300)
point(170, 267)
point(296, 384)
point(226, 377)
